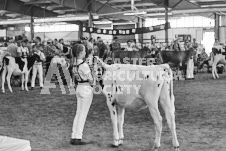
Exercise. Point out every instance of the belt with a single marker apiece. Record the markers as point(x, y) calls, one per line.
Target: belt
point(84, 83)
point(39, 63)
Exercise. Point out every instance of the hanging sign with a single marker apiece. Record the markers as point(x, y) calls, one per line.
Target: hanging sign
point(126, 31)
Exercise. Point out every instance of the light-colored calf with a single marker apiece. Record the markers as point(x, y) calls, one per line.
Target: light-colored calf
point(148, 86)
point(217, 57)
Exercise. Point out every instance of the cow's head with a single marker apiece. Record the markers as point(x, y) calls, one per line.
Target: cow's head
point(97, 68)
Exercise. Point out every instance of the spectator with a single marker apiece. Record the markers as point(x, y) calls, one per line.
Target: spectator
point(203, 55)
point(91, 41)
point(135, 46)
point(115, 46)
point(56, 43)
point(187, 45)
point(102, 49)
point(129, 46)
point(22, 50)
point(61, 44)
point(194, 44)
point(37, 67)
point(216, 43)
point(87, 44)
point(12, 48)
point(28, 45)
point(176, 45)
point(24, 37)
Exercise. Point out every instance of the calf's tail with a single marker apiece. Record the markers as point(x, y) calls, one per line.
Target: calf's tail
point(170, 79)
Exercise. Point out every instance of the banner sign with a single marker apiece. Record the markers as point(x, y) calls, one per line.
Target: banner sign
point(126, 31)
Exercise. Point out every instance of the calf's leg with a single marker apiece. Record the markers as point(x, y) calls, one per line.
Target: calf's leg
point(26, 80)
point(3, 79)
point(8, 77)
point(169, 108)
point(121, 113)
point(22, 84)
point(158, 125)
point(113, 114)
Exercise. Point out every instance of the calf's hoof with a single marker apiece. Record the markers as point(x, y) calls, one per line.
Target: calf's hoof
point(120, 141)
point(176, 148)
point(113, 146)
point(156, 148)
point(115, 143)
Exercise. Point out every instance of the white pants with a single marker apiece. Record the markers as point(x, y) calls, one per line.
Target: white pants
point(37, 68)
point(84, 95)
point(190, 69)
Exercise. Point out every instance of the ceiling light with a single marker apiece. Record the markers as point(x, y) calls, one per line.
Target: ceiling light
point(214, 5)
point(102, 22)
point(157, 14)
point(46, 20)
point(135, 13)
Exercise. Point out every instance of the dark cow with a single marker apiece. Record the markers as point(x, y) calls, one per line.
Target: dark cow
point(176, 59)
point(17, 66)
point(129, 57)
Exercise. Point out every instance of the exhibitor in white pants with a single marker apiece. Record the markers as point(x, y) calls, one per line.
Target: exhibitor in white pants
point(37, 68)
point(84, 94)
point(84, 100)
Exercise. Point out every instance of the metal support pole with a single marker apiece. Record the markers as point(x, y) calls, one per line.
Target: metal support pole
point(140, 25)
point(216, 27)
point(80, 32)
point(90, 23)
point(32, 25)
point(166, 24)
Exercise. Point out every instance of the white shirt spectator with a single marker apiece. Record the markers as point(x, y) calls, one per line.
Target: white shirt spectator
point(23, 50)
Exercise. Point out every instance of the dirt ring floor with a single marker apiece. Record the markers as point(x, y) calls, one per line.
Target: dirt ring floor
point(46, 120)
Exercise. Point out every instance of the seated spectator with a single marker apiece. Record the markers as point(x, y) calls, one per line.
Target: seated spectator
point(176, 45)
point(135, 46)
point(187, 45)
point(115, 46)
point(203, 55)
point(102, 48)
point(129, 46)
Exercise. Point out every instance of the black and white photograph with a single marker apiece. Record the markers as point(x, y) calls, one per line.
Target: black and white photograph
point(112, 75)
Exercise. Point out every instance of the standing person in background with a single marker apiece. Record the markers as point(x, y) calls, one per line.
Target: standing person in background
point(176, 45)
point(56, 43)
point(91, 42)
point(194, 44)
point(135, 46)
point(28, 45)
point(37, 67)
point(61, 44)
point(216, 43)
point(115, 46)
point(24, 37)
point(102, 49)
point(153, 46)
point(187, 45)
point(87, 44)
point(96, 49)
point(129, 46)
point(84, 91)
point(22, 50)
point(12, 48)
